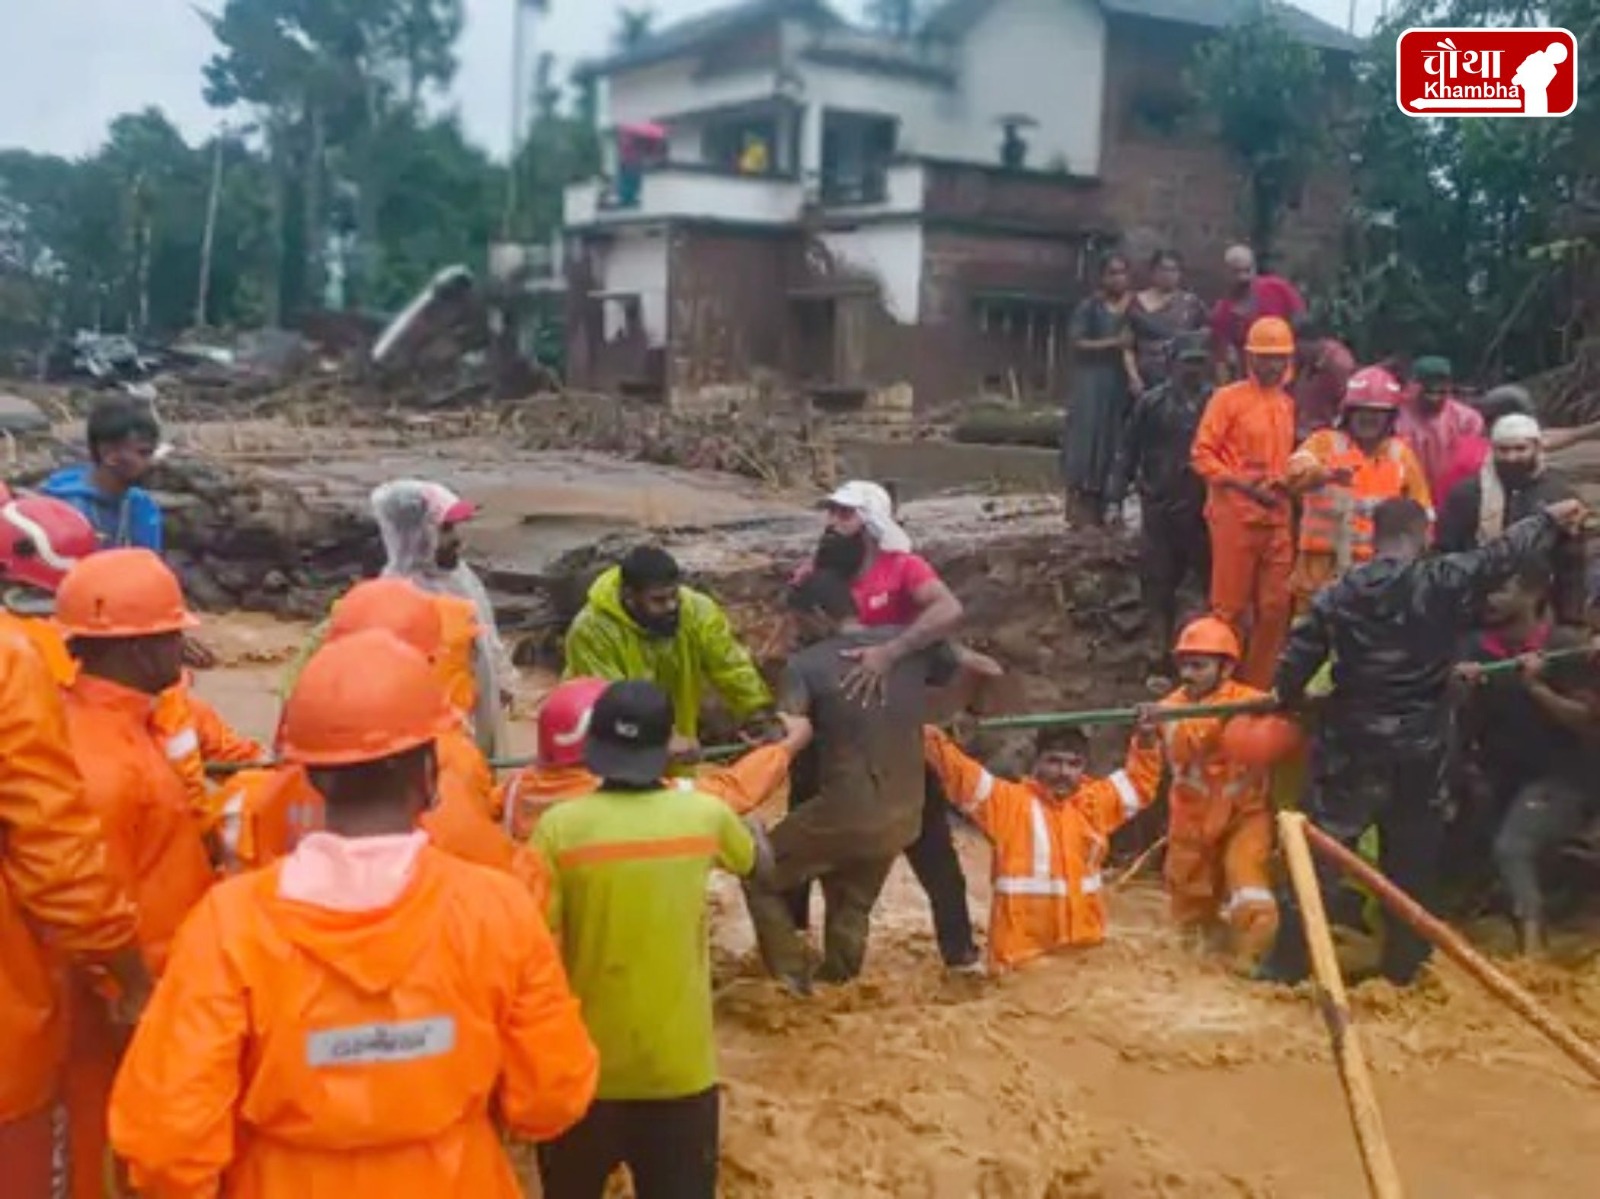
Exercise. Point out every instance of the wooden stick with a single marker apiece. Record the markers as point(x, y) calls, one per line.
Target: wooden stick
point(1454, 946)
point(1383, 1180)
point(1138, 864)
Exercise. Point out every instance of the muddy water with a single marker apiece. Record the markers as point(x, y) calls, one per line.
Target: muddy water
point(1134, 1071)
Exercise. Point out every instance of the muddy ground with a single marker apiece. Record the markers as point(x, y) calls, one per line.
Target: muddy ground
point(1134, 1071)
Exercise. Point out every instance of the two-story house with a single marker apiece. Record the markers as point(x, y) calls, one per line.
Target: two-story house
point(789, 193)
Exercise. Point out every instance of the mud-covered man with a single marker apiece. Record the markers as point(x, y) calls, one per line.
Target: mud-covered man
point(869, 792)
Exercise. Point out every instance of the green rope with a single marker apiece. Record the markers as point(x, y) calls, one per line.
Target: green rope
point(1095, 717)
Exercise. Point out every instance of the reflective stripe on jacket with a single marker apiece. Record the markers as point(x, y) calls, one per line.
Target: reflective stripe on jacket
point(1336, 518)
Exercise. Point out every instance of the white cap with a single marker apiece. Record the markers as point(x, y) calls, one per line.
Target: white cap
point(872, 503)
point(1514, 429)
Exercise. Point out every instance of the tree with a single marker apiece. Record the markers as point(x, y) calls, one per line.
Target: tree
point(1265, 93)
point(634, 26)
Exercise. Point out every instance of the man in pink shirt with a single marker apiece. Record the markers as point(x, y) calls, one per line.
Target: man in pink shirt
point(893, 586)
point(1250, 297)
point(1446, 435)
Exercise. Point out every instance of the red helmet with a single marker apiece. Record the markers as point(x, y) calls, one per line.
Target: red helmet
point(41, 540)
point(563, 721)
point(1372, 387)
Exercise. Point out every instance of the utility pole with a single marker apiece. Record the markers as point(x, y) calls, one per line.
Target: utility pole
point(208, 239)
point(521, 11)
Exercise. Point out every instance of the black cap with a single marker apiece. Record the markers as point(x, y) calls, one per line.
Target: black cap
point(629, 733)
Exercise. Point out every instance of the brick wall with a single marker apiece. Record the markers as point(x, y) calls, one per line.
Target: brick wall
point(1183, 191)
point(1031, 200)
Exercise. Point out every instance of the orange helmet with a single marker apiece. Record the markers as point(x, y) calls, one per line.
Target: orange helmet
point(366, 696)
point(1270, 335)
point(41, 539)
point(1208, 635)
point(395, 605)
point(563, 721)
point(1261, 741)
point(1371, 387)
point(121, 593)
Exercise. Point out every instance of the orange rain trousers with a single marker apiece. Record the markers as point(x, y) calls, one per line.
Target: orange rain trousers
point(1251, 564)
point(297, 1051)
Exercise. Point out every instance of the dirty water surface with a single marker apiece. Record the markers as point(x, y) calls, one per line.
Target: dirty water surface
point(1132, 1071)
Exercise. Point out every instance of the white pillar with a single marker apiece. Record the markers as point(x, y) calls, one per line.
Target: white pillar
point(811, 149)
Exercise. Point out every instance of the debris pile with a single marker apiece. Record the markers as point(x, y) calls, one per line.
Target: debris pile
point(1570, 394)
point(777, 446)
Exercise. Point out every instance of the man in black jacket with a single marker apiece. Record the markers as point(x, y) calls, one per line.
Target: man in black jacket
point(1174, 543)
point(1393, 627)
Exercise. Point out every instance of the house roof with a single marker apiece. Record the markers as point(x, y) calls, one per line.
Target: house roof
point(955, 17)
point(692, 32)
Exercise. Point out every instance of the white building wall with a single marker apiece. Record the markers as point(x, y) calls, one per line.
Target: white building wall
point(662, 90)
point(925, 110)
point(1040, 58)
point(635, 263)
point(890, 252)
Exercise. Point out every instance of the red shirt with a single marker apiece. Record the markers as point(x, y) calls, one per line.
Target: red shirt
point(1270, 295)
point(1318, 390)
point(885, 592)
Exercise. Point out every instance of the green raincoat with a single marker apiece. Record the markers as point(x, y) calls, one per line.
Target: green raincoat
point(604, 642)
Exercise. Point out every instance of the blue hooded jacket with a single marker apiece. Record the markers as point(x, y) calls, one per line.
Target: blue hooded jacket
point(131, 520)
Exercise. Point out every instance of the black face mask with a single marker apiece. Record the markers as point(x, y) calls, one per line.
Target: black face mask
point(841, 553)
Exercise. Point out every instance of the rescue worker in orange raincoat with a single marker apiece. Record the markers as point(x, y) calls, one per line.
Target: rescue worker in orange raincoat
point(57, 897)
point(41, 539)
point(1242, 451)
point(277, 807)
point(1219, 835)
point(559, 773)
point(124, 617)
point(1051, 834)
point(369, 1015)
point(1344, 473)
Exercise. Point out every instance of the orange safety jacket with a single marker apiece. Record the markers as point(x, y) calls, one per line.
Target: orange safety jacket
point(156, 843)
point(45, 636)
point(1048, 849)
point(1207, 792)
point(744, 785)
point(1246, 435)
point(58, 895)
point(1336, 518)
point(294, 1050)
point(274, 808)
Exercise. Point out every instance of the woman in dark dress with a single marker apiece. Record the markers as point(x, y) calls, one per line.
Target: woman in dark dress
point(1157, 315)
point(1102, 367)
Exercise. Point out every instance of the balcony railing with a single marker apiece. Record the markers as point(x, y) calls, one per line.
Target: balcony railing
point(678, 192)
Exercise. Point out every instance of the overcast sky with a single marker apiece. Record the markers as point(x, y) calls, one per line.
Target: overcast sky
point(72, 65)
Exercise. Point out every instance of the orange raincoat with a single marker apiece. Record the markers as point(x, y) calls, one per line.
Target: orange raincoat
point(157, 850)
point(194, 733)
point(743, 785)
point(297, 1051)
point(56, 887)
point(1247, 435)
point(1219, 845)
point(1048, 849)
point(45, 636)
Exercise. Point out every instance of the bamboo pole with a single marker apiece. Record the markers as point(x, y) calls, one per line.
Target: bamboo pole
point(1454, 946)
point(1383, 1179)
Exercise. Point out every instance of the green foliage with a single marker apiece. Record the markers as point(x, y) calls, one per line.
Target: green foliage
point(1468, 238)
point(897, 18)
point(1264, 92)
point(634, 25)
point(338, 140)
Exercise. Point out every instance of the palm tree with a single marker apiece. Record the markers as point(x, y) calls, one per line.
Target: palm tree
point(634, 26)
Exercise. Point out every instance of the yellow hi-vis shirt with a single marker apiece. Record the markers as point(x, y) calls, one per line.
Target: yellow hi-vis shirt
point(628, 873)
